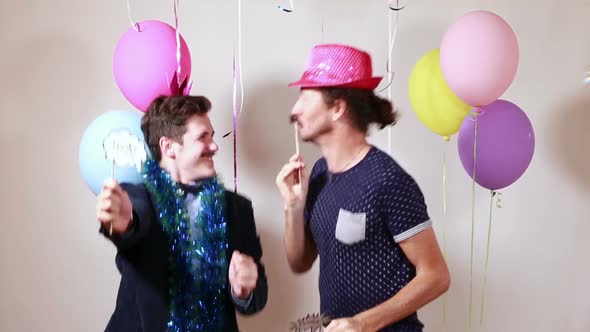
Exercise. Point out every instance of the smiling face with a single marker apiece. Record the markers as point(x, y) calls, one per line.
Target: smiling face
point(191, 159)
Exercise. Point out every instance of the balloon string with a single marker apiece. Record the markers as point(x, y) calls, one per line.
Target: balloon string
point(134, 24)
point(444, 186)
point(472, 223)
point(178, 44)
point(485, 278)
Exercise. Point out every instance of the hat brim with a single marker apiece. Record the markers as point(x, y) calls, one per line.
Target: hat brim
point(367, 84)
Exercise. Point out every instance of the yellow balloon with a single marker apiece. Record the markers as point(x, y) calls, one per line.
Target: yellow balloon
point(431, 98)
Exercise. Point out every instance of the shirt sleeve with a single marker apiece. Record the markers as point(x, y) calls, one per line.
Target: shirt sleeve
point(403, 207)
point(243, 304)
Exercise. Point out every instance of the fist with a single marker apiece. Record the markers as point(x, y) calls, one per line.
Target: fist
point(345, 325)
point(243, 275)
point(292, 182)
point(113, 208)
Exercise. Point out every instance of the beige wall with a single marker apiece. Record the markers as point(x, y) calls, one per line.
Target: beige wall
point(58, 274)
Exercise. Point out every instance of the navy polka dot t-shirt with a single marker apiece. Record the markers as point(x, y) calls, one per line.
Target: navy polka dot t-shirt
point(357, 218)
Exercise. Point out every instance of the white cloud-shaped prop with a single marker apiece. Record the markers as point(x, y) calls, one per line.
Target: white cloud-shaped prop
point(125, 149)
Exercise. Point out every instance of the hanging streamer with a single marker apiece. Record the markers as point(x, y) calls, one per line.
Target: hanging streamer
point(237, 110)
point(287, 10)
point(391, 43)
point(134, 24)
point(177, 27)
point(475, 114)
point(391, 40)
point(235, 122)
point(179, 86)
point(397, 7)
point(237, 70)
point(485, 275)
point(240, 58)
point(390, 73)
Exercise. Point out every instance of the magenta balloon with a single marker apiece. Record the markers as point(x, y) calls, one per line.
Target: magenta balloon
point(145, 63)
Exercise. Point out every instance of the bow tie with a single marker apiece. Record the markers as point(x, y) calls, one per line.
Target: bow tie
point(193, 188)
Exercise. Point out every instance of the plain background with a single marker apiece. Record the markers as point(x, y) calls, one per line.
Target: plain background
point(58, 274)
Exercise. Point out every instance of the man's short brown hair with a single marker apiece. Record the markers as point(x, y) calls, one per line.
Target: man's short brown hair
point(167, 116)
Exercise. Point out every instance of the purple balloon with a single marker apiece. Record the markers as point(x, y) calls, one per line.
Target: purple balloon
point(505, 144)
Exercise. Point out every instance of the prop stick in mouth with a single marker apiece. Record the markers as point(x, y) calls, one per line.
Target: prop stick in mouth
point(296, 137)
point(294, 120)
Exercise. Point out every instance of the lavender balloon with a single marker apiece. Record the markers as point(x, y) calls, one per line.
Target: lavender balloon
point(505, 144)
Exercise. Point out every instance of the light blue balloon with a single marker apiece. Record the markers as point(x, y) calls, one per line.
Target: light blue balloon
point(114, 135)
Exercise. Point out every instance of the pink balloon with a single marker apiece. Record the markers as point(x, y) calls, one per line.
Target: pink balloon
point(479, 57)
point(145, 64)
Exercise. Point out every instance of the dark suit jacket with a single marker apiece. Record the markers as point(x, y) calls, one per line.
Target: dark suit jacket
point(142, 259)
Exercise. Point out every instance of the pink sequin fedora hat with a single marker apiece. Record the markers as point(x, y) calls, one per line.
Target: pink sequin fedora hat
point(337, 65)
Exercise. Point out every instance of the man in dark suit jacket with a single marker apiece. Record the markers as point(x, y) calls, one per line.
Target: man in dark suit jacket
point(187, 249)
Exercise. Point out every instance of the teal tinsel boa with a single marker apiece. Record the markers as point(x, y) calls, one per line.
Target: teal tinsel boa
point(198, 250)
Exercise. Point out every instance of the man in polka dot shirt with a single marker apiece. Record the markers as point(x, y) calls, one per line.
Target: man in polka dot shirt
point(358, 209)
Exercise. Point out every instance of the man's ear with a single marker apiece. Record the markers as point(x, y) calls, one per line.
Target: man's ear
point(167, 147)
point(339, 109)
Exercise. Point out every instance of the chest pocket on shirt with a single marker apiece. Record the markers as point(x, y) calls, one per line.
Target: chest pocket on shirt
point(350, 227)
